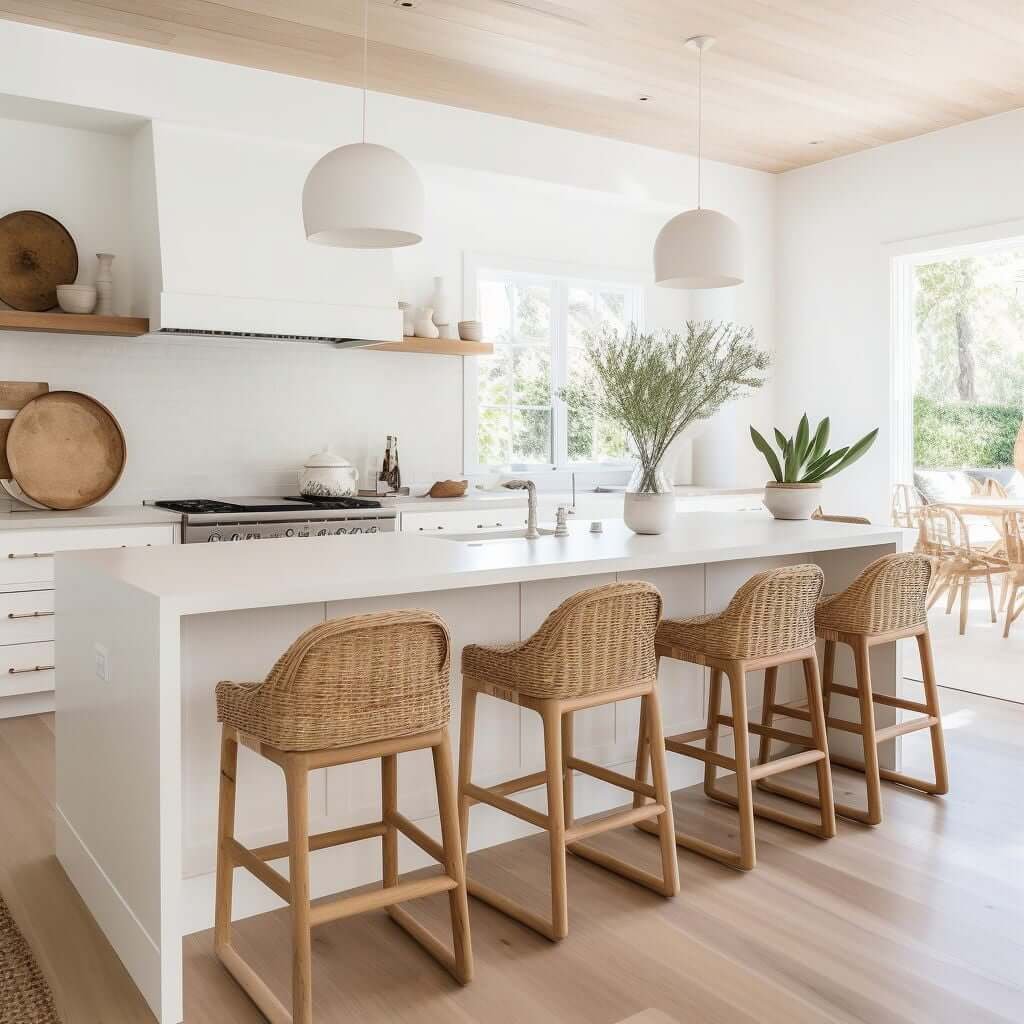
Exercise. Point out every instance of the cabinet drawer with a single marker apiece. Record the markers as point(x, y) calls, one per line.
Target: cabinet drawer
point(26, 556)
point(464, 521)
point(26, 668)
point(26, 618)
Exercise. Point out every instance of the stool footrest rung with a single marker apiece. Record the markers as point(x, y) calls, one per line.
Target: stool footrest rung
point(502, 803)
point(707, 756)
point(376, 899)
point(902, 728)
point(882, 698)
point(793, 738)
point(325, 840)
point(427, 940)
point(785, 764)
point(253, 986)
point(618, 819)
point(797, 710)
point(242, 857)
point(596, 771)
point(621, 867)
point(416, 835)
point(493, 898)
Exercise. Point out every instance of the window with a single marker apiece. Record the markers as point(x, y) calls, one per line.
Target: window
point(538, 323)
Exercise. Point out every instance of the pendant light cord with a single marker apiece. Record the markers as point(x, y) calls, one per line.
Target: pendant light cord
point(700, 118)
point(366, 33)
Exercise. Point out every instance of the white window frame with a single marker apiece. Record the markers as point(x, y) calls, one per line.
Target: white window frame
point(903, 257)
point(561, 276)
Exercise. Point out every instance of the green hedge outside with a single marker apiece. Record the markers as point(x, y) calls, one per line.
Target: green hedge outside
point(949, 435)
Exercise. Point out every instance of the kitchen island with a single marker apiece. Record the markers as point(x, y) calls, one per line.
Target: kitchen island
point(143, 636)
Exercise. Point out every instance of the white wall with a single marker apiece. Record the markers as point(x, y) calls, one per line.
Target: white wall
point(835, 221)
point(219, 417)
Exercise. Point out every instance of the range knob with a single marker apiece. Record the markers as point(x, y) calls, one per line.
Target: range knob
point(356, 529)
point(321, 533)
point(213, 537)
point(339, 531)
point(372, 529)
point(289, 532)
point(236, 536)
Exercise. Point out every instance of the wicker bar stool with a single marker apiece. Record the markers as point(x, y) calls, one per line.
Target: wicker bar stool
point(594, 649)
point(885, 603)
point(768, 623)
point(347, 690)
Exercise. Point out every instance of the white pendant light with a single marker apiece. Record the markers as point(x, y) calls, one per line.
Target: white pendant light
point(699, 248)
point(363, 196)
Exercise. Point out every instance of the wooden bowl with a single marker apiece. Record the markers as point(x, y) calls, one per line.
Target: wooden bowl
point(449, 489)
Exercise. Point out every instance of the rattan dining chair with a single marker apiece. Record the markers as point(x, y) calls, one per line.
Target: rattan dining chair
point(906, 506)
point(944, 538)
point(1013, 539)
point(885, 603)
point(596, 648)
point(347, 690)
point(768, 623)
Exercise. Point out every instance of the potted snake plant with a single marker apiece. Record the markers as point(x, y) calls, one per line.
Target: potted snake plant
point(801, 464)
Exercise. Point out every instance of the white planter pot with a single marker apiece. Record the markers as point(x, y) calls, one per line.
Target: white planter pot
point(792, 501)
point(649, 513)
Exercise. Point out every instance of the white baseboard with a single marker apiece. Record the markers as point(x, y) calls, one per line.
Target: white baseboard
point(26, 704)
point(139, 953)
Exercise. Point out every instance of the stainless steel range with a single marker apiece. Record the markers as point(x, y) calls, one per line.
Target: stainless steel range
point(206, 520)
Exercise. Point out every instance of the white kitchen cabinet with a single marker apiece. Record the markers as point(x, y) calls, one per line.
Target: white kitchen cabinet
point(464, 521)
point(27, 673)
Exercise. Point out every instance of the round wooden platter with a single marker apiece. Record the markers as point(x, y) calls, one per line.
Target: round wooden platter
point(37, 253)
point(66, 450)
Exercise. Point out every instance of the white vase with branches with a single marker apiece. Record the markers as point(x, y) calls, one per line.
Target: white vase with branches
point(656, 385)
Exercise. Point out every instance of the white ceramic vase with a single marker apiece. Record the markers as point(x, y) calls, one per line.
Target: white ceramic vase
point(442, 306)
point(650, 502)
point(791, 501)
point(104, 284)
point(425, 327)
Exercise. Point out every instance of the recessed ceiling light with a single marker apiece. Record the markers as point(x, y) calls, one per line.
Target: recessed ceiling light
point(644, 99)
point(815, 142)
point(405, 3)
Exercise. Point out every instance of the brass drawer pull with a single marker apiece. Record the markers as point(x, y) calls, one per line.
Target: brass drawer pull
point(34, 554)
point(35, 668)
point(29, 615)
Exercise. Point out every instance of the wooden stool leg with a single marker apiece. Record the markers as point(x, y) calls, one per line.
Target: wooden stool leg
point(551, 716)
point(953, 585)
point(225, 831)
point(467, 733)
point(458, 898)
point(389, 805)
point(744, 787)
point(1012, 611)
point(991, 597)
point(862, 661)
point(828, 675)
point(816, 708)
point(771, 679)
point(931, 692)
point(567, 781)
point(711, 744)
point(297, 782)
point(650, 715)
point(965, 602)
point(643, 754)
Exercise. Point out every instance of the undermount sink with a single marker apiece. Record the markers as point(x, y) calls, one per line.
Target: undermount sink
point(489, 538)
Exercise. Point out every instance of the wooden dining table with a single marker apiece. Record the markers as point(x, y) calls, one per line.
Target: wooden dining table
point(979, 505)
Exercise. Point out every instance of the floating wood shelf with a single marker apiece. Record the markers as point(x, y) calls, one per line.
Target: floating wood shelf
point(74, 323)
point(436, 346)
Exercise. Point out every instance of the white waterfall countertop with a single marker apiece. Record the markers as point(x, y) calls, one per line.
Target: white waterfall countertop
point(199, 578)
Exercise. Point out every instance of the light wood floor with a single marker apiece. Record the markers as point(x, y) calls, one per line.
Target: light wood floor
point(921, 920)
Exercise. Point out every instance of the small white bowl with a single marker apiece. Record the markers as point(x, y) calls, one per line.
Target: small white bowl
point(471, 330)
point(76, 298)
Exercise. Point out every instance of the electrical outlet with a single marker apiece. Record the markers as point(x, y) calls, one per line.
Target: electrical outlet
point(102, 662)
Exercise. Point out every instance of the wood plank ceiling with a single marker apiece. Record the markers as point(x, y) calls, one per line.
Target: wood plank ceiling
point(790, 82)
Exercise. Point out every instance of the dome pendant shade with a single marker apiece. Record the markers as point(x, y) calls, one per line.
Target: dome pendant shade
point(699, 249)
point(363, 196)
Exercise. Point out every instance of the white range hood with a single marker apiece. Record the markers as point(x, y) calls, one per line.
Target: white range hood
point(221, 248)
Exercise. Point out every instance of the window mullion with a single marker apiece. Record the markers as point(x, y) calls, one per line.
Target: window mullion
point(559, 373)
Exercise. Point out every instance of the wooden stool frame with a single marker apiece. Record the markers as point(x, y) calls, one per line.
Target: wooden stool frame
point(564, 832)
point(861, 645)
point(816, 751)
point(294, 890)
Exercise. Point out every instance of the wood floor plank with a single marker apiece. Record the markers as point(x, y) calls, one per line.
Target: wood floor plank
point(919, 920)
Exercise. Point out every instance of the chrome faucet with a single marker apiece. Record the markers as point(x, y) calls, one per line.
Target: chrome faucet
point(532, 533)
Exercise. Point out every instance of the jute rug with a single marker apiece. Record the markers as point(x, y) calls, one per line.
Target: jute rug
point(24, 994)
